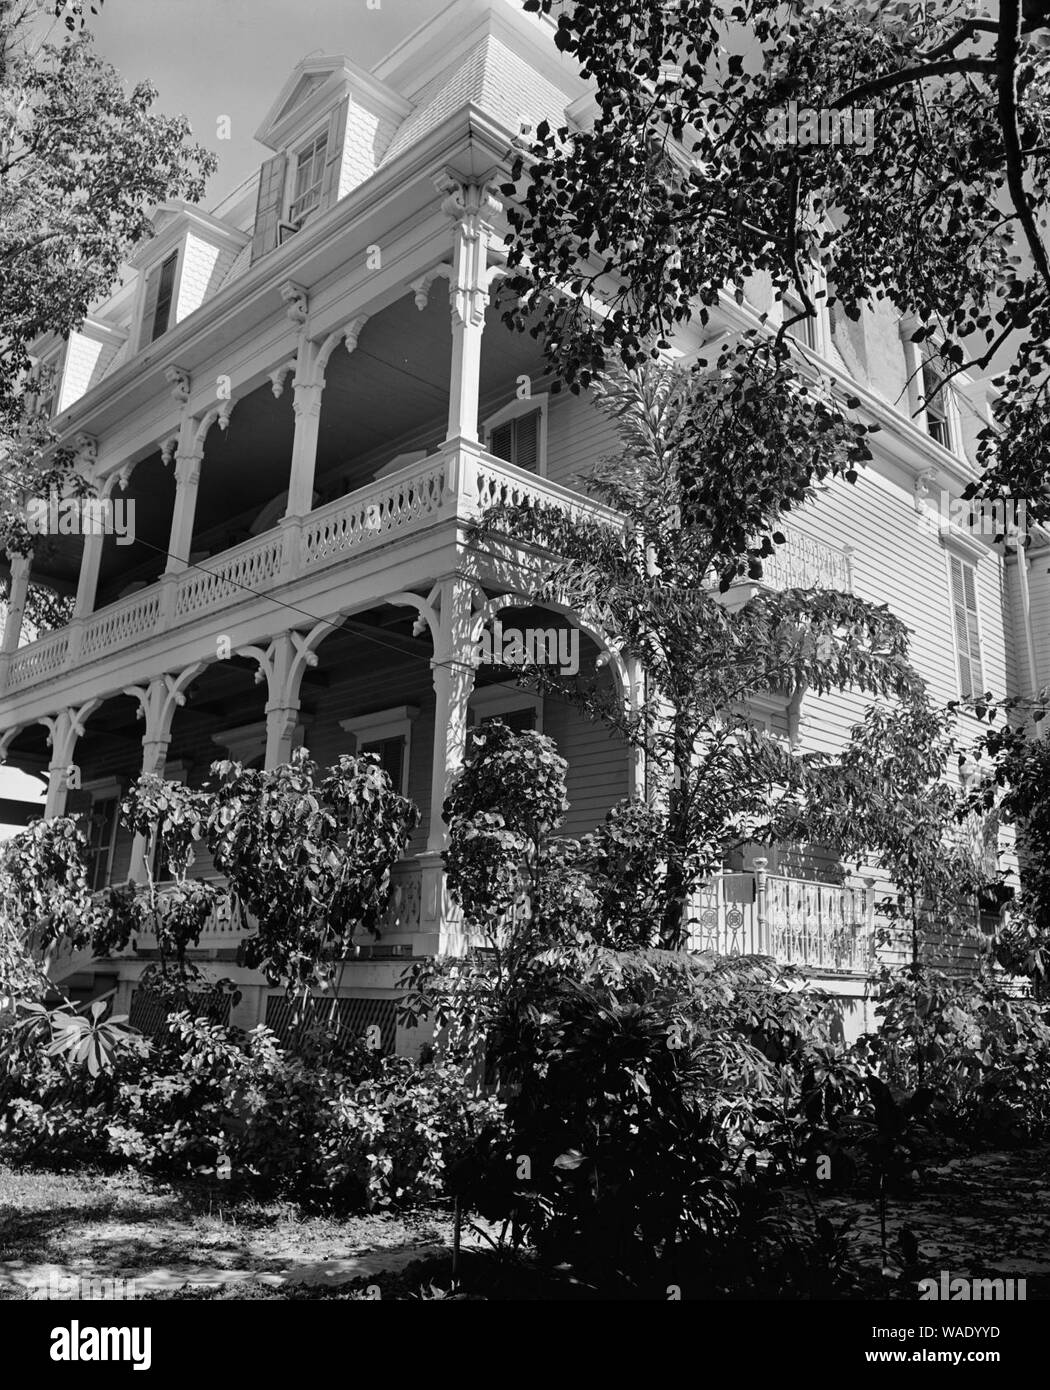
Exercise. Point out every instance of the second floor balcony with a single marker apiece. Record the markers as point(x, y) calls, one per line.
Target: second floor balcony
point(421, 505)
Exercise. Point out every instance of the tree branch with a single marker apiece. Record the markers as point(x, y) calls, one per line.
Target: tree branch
point(1006, 86)
point(905, 76)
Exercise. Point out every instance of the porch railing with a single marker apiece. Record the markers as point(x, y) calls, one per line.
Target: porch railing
point(818, 926)
point(457, 483)
point(228, 925)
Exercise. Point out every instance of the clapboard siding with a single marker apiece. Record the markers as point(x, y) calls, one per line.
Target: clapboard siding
point(899, 562)
point(578, 434)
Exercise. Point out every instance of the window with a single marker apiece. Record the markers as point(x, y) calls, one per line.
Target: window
point(309, 179)
point(937, 424)
point(967, 632)
point(102, 832)
point(518, 441)
point(160, 296)
point(518, 434)
point(519, 710)
point(391, 755)
point(387, 734)
point(805, 331)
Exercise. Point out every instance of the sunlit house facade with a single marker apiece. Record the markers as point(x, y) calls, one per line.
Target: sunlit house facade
point(308, 395)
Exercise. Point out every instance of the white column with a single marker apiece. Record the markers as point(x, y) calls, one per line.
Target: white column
point(16, 602)
point(87, 585)
point(282, 708)
point(63, 735)
point(469, 204)
point(453, 686)
point(158, 702)
point(187, 480)
point(307, 407)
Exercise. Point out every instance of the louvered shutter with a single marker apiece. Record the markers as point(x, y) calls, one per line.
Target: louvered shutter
point(501, 441)
point(165, 294)
point(149, 307)
point(269, 207)
point(334, 150)
point(527, 441)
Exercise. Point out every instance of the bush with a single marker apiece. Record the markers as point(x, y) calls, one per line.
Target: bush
point(977, 1051)
point(204, 1100)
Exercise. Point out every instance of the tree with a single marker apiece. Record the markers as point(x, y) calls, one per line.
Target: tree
point(308, 853)
point(712, 457)
point(1014, 785)
point(44, 902)
point(886, 800)
point(679, 192)
point(83, 162)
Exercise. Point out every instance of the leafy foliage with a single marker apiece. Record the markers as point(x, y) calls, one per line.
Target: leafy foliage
point(309, 855)
point(83, 164)
point(1015, 785)
point(710, 460)
point(678, 194)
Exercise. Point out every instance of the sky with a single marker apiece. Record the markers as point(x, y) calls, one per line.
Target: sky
point(214, 58)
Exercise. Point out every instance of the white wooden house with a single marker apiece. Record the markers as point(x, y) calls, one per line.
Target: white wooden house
point(308, 394)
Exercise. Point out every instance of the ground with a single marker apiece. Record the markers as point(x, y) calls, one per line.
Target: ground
point(980, 1215)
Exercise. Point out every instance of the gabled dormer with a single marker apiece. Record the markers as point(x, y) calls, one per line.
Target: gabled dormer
point(180, 267)
point(329, 127)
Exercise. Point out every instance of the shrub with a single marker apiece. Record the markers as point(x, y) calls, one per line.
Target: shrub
point(968, 1044)
point(204, 1100)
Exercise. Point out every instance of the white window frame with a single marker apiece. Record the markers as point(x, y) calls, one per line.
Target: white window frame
point(512, 411)
point(490, 701)
point(320, 132)
point(915, 357)
point(383, 724)
point(965, 556)
point(106, 789)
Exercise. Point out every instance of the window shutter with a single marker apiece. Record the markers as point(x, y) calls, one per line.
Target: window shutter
point(501, 441)
point(149, 308)
point(527, 450)
point(334, 164)
point(269, 207)
point(165, 293)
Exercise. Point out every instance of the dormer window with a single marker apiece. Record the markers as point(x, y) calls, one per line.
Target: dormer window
point(309, 179)
point(45, 385)
point(159, 298)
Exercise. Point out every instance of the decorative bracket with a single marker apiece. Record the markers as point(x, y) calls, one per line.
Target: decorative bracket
point(280, 376)
point(296, 300)
point(179, 379)
point(921, 486)
point(86, 448)
point(421, 286)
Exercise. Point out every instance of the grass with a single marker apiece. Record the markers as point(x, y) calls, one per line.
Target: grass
point(120, 1224)
point(979, 1214)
